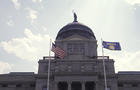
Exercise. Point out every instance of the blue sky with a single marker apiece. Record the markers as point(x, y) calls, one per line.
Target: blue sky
point(26, 27)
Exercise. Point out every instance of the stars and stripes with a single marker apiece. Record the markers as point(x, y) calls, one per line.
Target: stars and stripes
point(58, 51)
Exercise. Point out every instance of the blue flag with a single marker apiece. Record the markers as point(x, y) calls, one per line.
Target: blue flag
point(111, 45)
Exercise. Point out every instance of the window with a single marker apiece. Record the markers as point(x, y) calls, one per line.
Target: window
point(18, 85)
point(44, 88)
point(134, 85)
point(76, 48)
point(4, 85)
point(120, 85)
point(89, 86)
point(62, 86)
point(108, 88)
point(32, 85)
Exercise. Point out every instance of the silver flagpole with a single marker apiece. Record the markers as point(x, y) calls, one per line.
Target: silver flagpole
point(49, 64)
point(104, 66)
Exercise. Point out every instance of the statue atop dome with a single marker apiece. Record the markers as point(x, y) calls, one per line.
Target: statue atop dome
point(75, 17)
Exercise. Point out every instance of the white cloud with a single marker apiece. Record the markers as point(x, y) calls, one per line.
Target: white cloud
point(35, 1)
point(31, 47)
point(32, 14)
point(133, 2)
point(5, 67)
point(127, 61)
point(10, 23)
point(16, 4)
point(44, 28)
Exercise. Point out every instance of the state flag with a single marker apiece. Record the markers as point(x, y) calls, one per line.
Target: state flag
point(111, 45)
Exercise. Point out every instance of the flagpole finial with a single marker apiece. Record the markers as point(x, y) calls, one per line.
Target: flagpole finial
point(75, 16)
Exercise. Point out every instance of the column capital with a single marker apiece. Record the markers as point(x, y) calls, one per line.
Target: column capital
point(69, 82)
point(69, 85)
point(83, 82)
point(83, 85)
point(56, 85)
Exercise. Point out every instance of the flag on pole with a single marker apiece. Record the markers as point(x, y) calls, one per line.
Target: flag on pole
point(111, 45)
point(58, 51)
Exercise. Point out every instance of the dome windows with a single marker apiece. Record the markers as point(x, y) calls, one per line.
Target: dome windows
point(75, 48)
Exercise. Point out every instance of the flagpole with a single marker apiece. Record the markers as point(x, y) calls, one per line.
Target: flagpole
point(104, 67)
point(49, 64)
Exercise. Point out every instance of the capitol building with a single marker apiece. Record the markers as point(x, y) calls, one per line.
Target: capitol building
point(80, 69)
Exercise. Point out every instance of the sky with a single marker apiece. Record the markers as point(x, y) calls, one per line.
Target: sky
point(26, 27)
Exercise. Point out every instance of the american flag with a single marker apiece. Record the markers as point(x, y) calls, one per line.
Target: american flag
point(58, 51)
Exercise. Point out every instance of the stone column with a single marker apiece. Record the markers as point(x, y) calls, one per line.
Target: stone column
point(83, 85)
point(69, 85)
point(56, 86)
point(96, 85)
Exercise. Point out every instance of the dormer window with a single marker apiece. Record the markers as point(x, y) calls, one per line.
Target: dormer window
point(75, 48)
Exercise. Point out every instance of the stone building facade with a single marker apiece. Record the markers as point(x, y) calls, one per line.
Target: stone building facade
point(80, 69)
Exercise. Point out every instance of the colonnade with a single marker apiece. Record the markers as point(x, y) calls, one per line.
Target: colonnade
point(75, 85)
